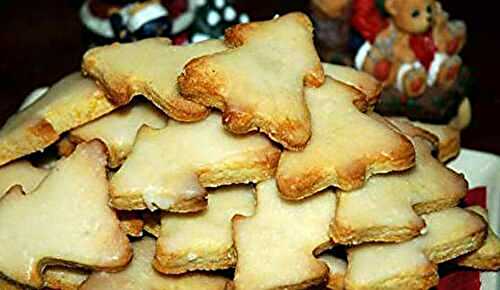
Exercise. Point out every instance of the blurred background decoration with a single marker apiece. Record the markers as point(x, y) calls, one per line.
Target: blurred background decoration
point(184, 21)
point(41, 41)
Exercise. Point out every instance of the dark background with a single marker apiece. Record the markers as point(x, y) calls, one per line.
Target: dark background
point(40, 42)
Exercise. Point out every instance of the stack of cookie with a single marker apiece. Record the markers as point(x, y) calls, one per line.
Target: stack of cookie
point(291, 164)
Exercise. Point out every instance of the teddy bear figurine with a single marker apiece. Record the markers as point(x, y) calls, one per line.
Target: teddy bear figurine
point(411, 46)
point(416, 47)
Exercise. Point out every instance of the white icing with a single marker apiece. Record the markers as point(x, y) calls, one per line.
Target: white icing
point(153, 201)
point(361, 55)
point(192, 256)
point(33, 97)
point(438, 60)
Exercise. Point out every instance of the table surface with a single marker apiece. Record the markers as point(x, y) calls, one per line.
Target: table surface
point(42, 43)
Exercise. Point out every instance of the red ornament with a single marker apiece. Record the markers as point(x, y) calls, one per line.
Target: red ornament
point(367, 19)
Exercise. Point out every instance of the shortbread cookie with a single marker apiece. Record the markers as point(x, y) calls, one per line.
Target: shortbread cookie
point(139, 274)
point(169, 168)
point(449, 139)
point(64, 278)
point(203, 241)
point(8, 285)
point(28, 177)
point(65, 146)
point(259, 83)
point(148, 67)
point(64, 221)
point(119, 129)
point(276, 245)
point(413, 264)
point(406, 127)
point(20, 173)
point(488, 256)
point(337, 268)
point(387, 208)
point(152, 223)
point(361, 81)
point(131, 223)
point(55, 278)
point(446, 137)
point(69, 103)
point(346, 148)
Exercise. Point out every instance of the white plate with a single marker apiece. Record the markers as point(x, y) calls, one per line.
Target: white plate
point(483, 169)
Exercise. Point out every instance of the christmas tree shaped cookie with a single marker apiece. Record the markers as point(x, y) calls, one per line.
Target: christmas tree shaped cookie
point(346, 148)
point(64, 221)
point(169, 168)
point(259, 83)
point(148, 67)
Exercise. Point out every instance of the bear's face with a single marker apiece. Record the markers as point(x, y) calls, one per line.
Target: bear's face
point(412, 16)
